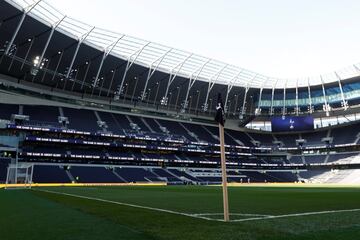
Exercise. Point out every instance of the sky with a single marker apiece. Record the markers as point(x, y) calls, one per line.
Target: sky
point(277, 38)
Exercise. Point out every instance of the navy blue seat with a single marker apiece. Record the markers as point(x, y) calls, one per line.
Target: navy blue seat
point(50, 174)
point(94, 175)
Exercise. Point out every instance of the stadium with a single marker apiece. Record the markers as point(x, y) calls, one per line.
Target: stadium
point(105, 135)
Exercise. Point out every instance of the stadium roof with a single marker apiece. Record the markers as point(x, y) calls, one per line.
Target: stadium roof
point(167, 59)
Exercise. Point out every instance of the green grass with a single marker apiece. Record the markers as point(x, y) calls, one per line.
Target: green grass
point(31, 214)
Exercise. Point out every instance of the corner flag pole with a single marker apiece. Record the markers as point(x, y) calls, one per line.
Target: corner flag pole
point(220, 119)
point(223, 171)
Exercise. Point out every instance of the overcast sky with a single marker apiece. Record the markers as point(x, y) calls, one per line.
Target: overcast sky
point(277, 38)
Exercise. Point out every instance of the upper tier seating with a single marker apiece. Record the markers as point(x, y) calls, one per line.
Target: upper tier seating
point(345, 134)
point(314, 138)
point(201, 133)
point(288, 140)
point(47, 114)
point(296, 159)
point(154, 126)
point(176, 128)
point(315, 159)
point(264, 139)
point(245, 139)
point(84, 120)
point(140, 123)
point(112, 123)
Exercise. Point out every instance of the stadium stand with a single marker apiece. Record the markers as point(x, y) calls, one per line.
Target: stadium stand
point(103, 122)
point(87, 120)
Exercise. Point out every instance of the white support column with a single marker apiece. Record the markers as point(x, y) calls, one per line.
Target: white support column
point(152, 71)
point(53, 28)
point(311, 107)
point(80, 41)
point(26, 11)
point(177, 96)
point(111, 81)
point(356, 68)
point(284, 99)
point(297, 98)
point(326, 106)
point(212, 82)
point(243, 109)
point(107, 51)
point(229, 88)
point(86, 73)
point(134, 90)
point(192, 81)
point(27, 52)
point(157, 92)
point(172, 78)
point(57, 65)
point(129, 64)
point(344, 102)
point(258, 109)
point(272, 98)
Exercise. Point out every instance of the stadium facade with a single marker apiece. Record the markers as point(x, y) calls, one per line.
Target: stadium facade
point(84, 104)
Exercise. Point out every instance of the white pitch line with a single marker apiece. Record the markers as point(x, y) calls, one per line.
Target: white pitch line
point(296, 215)
point(130, 205)
point(232, 214)
point(200, 216)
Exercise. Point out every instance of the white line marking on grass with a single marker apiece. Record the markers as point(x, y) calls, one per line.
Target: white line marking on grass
point(296, 215)
point(232, 214)
point(130, 205)
point(202, 215)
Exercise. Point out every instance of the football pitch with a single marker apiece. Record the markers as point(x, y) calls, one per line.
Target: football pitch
point(180, 212)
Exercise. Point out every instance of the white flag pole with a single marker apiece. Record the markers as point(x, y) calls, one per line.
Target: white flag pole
point(223, 170)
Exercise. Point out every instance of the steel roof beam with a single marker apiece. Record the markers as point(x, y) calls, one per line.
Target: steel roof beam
point(297, 98)
point(129, 64)
point(111, 82)
point(152, 71)
point(344, 101)
point(25, 13)
point(326, 106)
point(243, 109)
point(284, 99)
point(258, 110)
point(80, 41)
point(272, 98)
point(192, 81)
point(86, 73)
point(229, 88)
point(212, 82)
point(173, 76)
point(107, 51)
point(311, 107)
point(57, 66)
point(53, 28)
point(98, 39)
